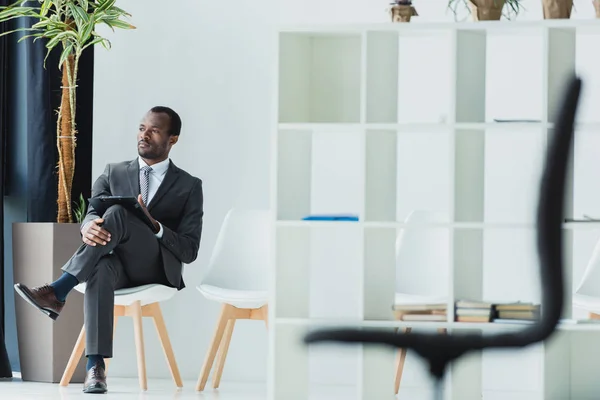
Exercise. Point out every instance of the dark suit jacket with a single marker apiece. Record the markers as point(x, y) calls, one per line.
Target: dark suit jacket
point(177, 205)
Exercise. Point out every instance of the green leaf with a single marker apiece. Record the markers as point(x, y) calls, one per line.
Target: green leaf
point(16, 30)
point(17, 12)
point(106, 4)
point(38, 35)
point(120, 24)
point(121, 11)
point(61, 36)
point(65, 54)
point(87, 31)
point(77, 10)
point(45, 6)
point(93, 42)
point(106, 44)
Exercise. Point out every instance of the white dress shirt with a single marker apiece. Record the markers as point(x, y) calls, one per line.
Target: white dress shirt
point(156, 177)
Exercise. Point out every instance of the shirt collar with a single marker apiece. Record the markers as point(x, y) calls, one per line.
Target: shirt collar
point(158, 168)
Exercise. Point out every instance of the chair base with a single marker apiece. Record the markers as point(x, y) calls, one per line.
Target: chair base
point(136, 311)
point(401, 357)
point(222, 338)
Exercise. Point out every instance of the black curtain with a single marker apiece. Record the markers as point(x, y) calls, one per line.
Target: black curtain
point(44, 94)
point(32, 95)
point(5, 368)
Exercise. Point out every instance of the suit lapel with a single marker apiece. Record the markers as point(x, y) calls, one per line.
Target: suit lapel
point(133, 176)
point(170, 178)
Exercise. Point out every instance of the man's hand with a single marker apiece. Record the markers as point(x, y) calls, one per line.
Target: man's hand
point(93, 233)
point(154, 222)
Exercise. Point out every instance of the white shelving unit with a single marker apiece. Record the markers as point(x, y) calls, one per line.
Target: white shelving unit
point(346, 129)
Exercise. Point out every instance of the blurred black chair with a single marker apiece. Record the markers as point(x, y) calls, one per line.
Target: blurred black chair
point(440, 350)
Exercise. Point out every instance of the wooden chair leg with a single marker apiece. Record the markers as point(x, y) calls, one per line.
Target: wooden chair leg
point(401, 357)
point(222, 355)
point(226, 310)
point(161, 329)
point(76, 355)
point(135, 311)
point(265, 312)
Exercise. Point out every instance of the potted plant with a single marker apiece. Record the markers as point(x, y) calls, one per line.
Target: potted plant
point(68, 27)
point(488, 10)
point(402, 11)
point(557, 9)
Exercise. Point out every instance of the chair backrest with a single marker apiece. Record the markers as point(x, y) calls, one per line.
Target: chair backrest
point(240, 259)
point(590, 282)
point(422, 255)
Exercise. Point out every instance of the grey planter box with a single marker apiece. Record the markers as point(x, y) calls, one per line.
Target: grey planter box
point(39, 252)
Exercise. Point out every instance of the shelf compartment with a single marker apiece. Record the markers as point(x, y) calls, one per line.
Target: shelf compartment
point(380, 184)
point(513, 173)
point(423, 177)
point(519, 78)
point(424, 94)
point(320, 78)
point(381, 77)
point(294, 154)
point(588, 65)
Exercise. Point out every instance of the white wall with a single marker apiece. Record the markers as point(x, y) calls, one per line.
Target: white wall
point(213, 63)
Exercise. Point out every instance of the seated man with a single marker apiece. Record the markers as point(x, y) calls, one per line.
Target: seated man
point(119, 249)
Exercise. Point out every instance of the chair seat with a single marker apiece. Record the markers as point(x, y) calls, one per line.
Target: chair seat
point(146, 294)
point(408, 299)
point(588, 303)
point(234, 297)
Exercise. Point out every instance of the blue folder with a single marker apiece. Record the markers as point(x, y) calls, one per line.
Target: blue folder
point(331, 217)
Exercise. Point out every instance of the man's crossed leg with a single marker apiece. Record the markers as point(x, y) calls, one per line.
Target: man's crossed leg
point(122, 252)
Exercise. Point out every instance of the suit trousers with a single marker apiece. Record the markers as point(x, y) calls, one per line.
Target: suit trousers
point(131, 258)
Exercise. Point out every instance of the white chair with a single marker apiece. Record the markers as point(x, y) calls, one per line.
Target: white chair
point(238, 279)
point(422, 261)
point(136, 302)
point(587, 295)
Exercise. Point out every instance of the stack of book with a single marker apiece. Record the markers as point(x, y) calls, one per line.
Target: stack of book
point(421, 312)
point(516, 312)
point(474, 311)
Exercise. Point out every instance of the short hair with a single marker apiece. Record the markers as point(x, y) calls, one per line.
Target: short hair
point(175, 120)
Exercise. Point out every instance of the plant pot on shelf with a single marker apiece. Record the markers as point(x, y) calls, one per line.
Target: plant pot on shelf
point(597, 7)
point(39, 252)
point(557, 9)
point(402, 13)
point(486, 10)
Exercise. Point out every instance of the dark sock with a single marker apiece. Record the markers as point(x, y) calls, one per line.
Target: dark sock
point(93, 360)
point(63, 285)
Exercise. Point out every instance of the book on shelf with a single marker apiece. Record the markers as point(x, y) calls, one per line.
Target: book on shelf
point(518, 311)
point(420, 307)
point(481, 311)
point(473, 311)
point(420, 312)
point(424, 317)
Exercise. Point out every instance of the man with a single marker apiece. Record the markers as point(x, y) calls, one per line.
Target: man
point(119, 250)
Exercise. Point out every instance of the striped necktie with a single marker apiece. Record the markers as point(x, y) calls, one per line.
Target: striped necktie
point(145, 183)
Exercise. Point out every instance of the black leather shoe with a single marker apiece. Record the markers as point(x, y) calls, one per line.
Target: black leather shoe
point(95, 380)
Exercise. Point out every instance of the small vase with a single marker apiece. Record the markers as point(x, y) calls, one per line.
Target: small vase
point(557, 9)
point(597, 7)
point(486, 10)
point(402, 13)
